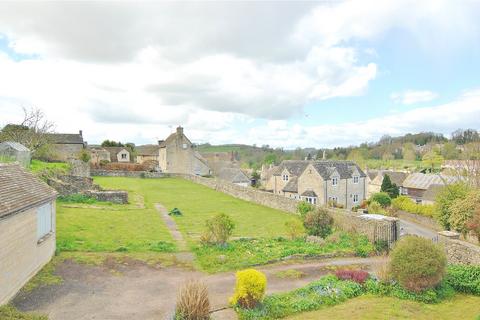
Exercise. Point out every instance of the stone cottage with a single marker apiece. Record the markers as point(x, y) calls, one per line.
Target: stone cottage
point(147, 153)
point(177, 155)
point(118, 154)
point(66, 145)
point(15, 152)
point(235, 176)
point(27, 228)
point(98, 155)
point(397, 177)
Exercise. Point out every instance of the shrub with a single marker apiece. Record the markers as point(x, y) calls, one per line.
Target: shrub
point(417, 263)
point(358, 276)
point(84, 156)
point(445, 199)
point(219, 229)
point(388, 187)
point(382, 198)
point(464, 278)
point(249, 288)
point(192, 302)
point(295, 228)
point(473, 224)
point(404, 203)
point(375, 208)
point(462, 210)
point(318, 223)
point(304, 207)
point(175, 212)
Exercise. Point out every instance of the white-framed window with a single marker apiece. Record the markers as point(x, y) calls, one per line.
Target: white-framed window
point(355, 198)
point(334, 181)
point(356, 179)
point(44, 220)
point(184, 146)
point(124, 156)
point(403, 191)
point(285, 177)
point(311, 200)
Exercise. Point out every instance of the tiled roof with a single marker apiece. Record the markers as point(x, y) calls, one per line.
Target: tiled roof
point(309, 193)
point(65, 138)
point(396, 176)
point(295, 167)
point(148, 150)
point(21, 190)
point(233, 175)
point(14, 145)
point(419, 180)
point(344, 168)
point(292, 185)
point(372, 174)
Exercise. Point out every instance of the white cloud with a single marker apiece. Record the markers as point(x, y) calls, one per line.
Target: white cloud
point(413, 96)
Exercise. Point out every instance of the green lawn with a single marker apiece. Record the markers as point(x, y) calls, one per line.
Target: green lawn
point(37, 165)
point(198, 203)
point(375, 308)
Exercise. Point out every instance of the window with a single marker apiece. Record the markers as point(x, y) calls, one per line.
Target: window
point(124, 156)
point(184, 146)
point(334, 181)
point(403, 191)
point(355, 198)
point(44, 220)
point(311, 200)
point(285, 177)
point(355, 179)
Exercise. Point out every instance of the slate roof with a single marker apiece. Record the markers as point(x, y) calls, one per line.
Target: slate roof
point(295, 167)
point(309, 193)
point(432, 192)
point(372, 174)
point(20, 190)
point(423, 181)
point(233, 175)
point(396, 177)
point(344, 168)
point(292, 185)
point(14, 145)
point(148, 150)
point(65, 138)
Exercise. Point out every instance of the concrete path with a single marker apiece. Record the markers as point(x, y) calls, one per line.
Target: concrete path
point(137, 291)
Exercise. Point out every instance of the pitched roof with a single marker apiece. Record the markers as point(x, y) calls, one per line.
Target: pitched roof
point(396, 177)
point(20, 190)
point(148, 150)
point(65, 138)
point(419, 180)
point(14, 145)
point(295, 167)
point(292, 185)
point(114, 151)
point(233, 175)
point(344, 168)
point(432, 192)
point(309, 193)
point(372, 174)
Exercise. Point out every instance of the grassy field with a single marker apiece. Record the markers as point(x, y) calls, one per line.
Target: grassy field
point(37, 165)
point(198, 203)
point(374, 308)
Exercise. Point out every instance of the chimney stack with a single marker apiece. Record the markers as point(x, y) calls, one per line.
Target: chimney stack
point(80, 132)
point(160, 142)
point(179, 130)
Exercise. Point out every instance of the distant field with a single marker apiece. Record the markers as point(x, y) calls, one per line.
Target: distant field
point(395, 164)
point(198, 203)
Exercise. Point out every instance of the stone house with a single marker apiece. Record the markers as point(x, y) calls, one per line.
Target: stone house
point(118, 154)
point(416, 184)
point(235, 176)
point(149, 152)
point(66, 145)
point(177, 155)
point(266, 177)
point(397, 177)
point(98, 155)
point(15, 152)
point(27, 228)
point(339, 183)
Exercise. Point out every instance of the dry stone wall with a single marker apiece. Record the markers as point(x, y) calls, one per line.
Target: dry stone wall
point(132, 174)
point(459, 252)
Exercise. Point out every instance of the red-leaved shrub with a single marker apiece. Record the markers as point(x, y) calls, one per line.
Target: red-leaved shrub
point(358, 276)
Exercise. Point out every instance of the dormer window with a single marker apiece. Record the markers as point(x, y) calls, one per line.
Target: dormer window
point(285, 177)
point(334, 181)
point(355, 179)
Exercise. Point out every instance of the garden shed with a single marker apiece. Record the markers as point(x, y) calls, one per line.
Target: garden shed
point(27, 228)
point(11, 151)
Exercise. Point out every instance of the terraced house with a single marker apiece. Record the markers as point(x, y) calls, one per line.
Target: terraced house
point(336, 183)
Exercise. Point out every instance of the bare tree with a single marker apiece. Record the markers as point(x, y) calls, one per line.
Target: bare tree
point(32, 131)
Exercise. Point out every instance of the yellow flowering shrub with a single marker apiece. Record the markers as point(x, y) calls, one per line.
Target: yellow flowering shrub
point(249, 288)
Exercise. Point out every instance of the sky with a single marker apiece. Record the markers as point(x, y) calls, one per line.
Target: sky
point(287, 74)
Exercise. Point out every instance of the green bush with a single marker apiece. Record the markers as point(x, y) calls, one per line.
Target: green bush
point(464, 278)
point(390, 188)
point(295, 228)
point(445, 199)
point(404, 203)
point(218, 229)
point(304, 207)
point(375, 208)
point(462, 210)
point(417, 263)
point(382, 198)
point(318, 223)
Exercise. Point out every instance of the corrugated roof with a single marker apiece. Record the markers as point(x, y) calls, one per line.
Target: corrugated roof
point(14, 145)
point(292, 185)
point(422, 181)
point(21, 190)
point(65, 138)
point(233, 175)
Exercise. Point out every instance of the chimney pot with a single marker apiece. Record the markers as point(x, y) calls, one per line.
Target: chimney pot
point(179, 130)
point(80, 132)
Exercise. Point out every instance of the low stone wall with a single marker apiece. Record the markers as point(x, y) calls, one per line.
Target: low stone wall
point(427, 222)
point(459, 252)
point(67, 185)
point(131, 174)
point(115, 196)
point(79, 168)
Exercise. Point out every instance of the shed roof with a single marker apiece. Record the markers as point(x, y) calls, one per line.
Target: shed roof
point(20, 190)
point(422, 181)
point(14, 145)
point(233, 175)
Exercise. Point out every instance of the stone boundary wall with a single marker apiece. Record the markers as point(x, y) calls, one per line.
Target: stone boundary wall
point(114, 196)
point(132, 174)
point(427, 222)
point(458, 251)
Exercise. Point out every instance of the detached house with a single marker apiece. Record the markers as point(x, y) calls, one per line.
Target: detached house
point(177, 155)
point(27, 228)
point(66, 145)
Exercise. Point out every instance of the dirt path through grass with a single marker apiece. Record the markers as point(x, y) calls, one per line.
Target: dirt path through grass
point(172, 227)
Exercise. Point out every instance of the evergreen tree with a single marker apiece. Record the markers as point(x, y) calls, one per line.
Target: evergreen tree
point(389, 187)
